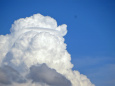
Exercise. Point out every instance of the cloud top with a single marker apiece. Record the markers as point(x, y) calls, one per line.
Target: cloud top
point(39, 23)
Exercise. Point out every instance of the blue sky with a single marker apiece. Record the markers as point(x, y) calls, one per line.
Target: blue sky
point(91, 31)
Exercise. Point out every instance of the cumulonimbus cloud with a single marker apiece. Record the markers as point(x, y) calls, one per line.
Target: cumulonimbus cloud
point(38, 40)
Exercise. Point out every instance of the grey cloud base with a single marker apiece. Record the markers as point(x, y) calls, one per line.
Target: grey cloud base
point(38, 74)
point(9, 75)
point(43, 74)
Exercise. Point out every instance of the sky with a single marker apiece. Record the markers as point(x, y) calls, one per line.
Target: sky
point(91, 31)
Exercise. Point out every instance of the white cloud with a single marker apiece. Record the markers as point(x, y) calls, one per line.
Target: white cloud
point(37, 40)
